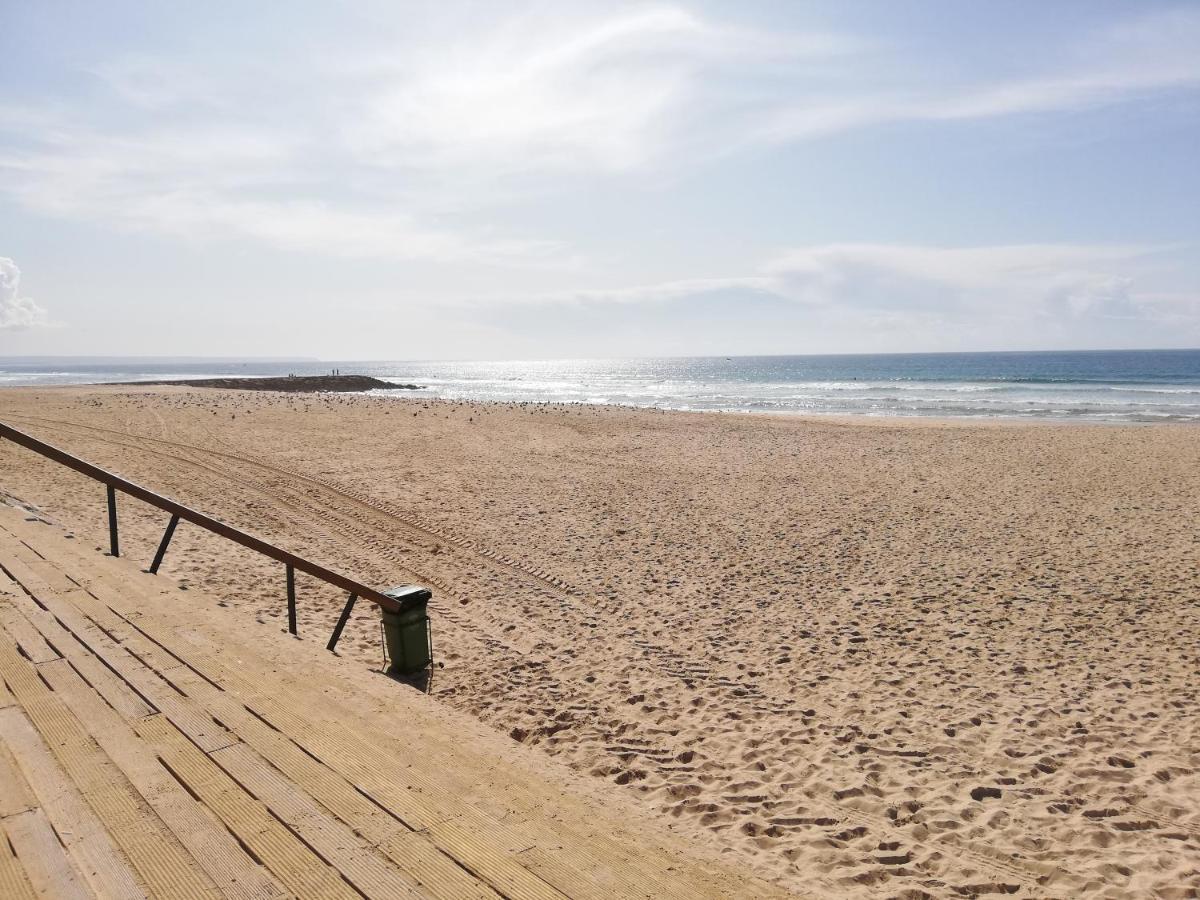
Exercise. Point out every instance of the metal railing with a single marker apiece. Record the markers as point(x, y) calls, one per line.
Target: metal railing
point(114, 483)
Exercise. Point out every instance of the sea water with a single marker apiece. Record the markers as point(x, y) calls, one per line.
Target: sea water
point(1106, 386)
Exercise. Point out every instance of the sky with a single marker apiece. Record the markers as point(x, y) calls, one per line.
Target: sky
point(504, 180)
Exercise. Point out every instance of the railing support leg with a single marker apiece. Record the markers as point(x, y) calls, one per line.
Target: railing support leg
point(341, 623)
point(162, 545)
point(113, 545)
point(291, 588)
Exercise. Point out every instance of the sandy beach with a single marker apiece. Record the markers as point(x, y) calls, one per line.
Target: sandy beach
point(872, 658)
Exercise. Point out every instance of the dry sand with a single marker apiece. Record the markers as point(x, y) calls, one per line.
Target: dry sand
point(878, 659)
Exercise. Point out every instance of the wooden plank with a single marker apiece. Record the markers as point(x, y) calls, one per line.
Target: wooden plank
point(16, 796)
point(418, 800)
point(331, 839)
point(33, 645)
point(115, 626)
point(499, 868)
point(235, 873)
point(391, 786)
point(382, 779)
point(429, 815)
point(39, 575)
point(114, 691)
point(292, 861)
point(414, 853)
point(440, 876)
point(162, 863)
point(106, 647)
point(101, 592)
point(43, 858)
point(104, 867)
point(401, 789)
point(6, 583)
point(598, 885)
point(14, 883)
point(641, 869)
point(320, 782)
point(588, 850)
point(66, 606)
point(406, 786)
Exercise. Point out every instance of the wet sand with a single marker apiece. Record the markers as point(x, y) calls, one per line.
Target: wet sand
point(867, 658)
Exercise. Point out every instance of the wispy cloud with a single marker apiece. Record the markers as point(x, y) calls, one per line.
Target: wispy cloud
point(597, 94)
point(653, 293)
point(399, 146)
point(876, 288)
point(206, 183)
point(1001, 280)
point(360, 156)
point(894, 297)
point(16, 312)
point(1149, 55)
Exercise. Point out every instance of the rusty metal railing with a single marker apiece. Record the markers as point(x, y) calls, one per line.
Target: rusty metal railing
point(114, 483)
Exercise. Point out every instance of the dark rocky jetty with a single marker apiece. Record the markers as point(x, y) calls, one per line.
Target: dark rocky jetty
point(293, 384)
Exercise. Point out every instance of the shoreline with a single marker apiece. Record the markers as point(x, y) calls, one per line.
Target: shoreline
point(881, 418)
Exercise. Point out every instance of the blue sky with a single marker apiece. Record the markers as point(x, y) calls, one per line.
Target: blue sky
point(388, 180)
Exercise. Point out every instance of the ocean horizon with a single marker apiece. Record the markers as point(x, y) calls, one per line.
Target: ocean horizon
point(1088, 385)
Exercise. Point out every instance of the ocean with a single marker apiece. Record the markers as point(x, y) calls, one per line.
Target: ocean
point(1100, 386)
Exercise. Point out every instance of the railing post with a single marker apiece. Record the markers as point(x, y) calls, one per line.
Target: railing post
point(114, 546)
point(291, 591)
point(162, 546)
point(341, 623)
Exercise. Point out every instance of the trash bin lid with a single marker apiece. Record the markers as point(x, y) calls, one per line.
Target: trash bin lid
point(408, 593)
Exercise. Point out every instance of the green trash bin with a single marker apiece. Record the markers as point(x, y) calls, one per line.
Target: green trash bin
point(407, 631)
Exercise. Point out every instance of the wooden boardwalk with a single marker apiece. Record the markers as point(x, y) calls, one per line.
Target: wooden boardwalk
point(153, 744)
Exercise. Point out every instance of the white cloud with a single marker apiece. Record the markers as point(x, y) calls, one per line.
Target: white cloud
point(1149, 55)
point(915, 291)
point(208, 185)
point(1006, 279)
point(362, 149)
point(360, 153)
point(16, 312)
point(662, 291)
point(592, 94)
point(897, 297)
